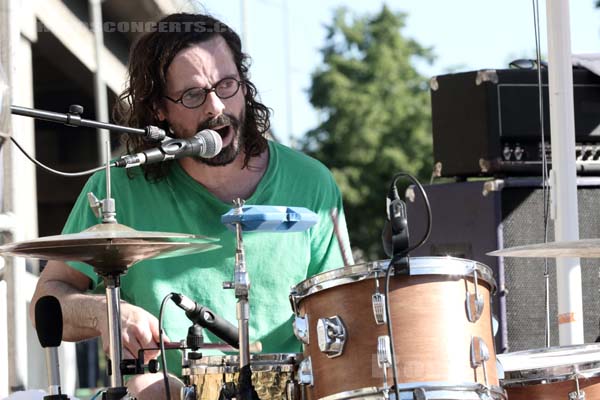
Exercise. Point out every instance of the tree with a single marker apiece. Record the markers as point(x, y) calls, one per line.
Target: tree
point(375, 110)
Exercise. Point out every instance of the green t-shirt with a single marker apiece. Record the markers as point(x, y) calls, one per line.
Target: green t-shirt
point(275, 261)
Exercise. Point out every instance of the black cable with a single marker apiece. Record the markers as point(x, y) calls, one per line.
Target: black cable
point(61, 173)
point(390, 330)
point(394, 191)
point(163, 357)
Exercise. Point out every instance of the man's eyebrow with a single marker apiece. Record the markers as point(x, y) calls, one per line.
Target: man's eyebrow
point(232, 75)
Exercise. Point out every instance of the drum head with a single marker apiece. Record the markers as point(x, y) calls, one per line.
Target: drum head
point(449, 266)
point(551, 364)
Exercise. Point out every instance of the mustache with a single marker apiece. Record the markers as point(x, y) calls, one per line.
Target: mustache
point(220, 120)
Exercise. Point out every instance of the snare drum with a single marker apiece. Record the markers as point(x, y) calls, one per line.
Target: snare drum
point(553, 373)
point(272, 376)
point(442, 325)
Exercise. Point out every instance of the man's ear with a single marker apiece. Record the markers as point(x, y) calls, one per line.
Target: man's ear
point(159, 112)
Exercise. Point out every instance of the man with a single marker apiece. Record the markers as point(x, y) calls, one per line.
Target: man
point(191, 77)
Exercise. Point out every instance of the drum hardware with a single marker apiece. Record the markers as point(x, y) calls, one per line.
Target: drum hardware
point(474, 301)
point(241, 287)
point(555, 373)
point(378, 301)
point(300, 325)
point(577, 394)
point(384, 360)
point(305, 372)
point(479, 356)
point(427, 391)
point(331, 335)
point(419, 394)
point(110, 248)
point(256, 218)
point(49, 329)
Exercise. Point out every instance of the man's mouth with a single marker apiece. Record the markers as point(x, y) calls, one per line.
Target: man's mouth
point(223, 131)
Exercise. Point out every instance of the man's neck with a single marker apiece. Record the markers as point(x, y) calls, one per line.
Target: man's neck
point(230, 181)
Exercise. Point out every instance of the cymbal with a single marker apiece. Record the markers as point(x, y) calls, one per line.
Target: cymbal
point(110, 248)
point(583, 248)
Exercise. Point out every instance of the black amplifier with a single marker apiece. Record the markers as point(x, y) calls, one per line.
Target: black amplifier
point(486, 123)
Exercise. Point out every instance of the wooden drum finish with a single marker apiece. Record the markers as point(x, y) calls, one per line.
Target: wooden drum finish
point(432, 333)
point(553, 373)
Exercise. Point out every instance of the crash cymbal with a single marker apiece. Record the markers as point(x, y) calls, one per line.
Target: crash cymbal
point(584, 248)
point(110, 247)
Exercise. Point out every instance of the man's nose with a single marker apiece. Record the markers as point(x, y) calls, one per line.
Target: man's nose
point(213, 105)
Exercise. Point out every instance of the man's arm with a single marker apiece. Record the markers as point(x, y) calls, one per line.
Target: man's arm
point(85, 315)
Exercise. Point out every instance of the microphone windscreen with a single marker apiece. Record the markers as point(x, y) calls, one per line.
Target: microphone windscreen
point(48, 321)
point(213, 142)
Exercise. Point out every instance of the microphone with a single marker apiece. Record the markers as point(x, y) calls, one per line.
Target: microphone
point(395, 231)
point(206, 144)
point(206, 318)
point(49, 326)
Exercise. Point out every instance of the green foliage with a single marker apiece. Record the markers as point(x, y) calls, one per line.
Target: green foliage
point(375, 110)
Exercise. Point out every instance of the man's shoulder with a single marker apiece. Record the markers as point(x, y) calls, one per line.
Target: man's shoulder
point(297, 162)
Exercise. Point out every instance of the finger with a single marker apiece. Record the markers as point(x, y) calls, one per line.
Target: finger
point(127, 355)
point(131, 343)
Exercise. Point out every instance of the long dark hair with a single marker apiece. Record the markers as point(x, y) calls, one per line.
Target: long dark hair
point(149, 61)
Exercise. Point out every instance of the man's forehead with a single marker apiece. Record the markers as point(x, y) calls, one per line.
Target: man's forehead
point(210, 60)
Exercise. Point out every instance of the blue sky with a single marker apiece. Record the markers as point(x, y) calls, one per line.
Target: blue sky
point(464, 34)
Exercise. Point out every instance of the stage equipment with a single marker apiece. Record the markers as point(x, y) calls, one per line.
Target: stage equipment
point(486, 122)
point(477, 217)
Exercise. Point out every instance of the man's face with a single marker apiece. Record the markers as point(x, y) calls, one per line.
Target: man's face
point(201, 66)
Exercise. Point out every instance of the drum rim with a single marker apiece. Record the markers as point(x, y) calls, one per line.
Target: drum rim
point(560, 371)
point(457, 267)
point(260, 362)
point(431, 389)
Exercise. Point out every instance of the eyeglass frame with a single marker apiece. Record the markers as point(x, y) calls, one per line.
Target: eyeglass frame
point(206, 91)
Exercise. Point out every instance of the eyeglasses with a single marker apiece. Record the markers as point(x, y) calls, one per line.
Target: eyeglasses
point(196, 96)
point(524, 63)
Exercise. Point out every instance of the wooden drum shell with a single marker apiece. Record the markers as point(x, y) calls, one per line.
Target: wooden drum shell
point(555, 391)
point(431, 330)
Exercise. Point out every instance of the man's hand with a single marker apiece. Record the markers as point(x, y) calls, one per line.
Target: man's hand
point(139, 330)
point(85, 315)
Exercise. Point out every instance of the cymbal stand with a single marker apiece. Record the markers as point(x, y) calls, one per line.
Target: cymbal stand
point(106, 209)
point(241, 285)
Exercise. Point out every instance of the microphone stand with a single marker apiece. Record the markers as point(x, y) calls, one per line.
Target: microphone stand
point(73, 118)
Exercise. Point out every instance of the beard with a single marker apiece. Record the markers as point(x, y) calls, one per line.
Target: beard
point(235, 128)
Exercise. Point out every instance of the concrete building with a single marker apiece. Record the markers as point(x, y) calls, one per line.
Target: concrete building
point(47, 50)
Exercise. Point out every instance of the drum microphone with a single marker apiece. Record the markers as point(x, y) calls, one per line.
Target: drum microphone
point(395, 231)
point(206, 318)
point(49, 326)
point(206, 144)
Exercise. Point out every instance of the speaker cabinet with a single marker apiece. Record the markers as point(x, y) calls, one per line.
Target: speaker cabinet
point(476, 217)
